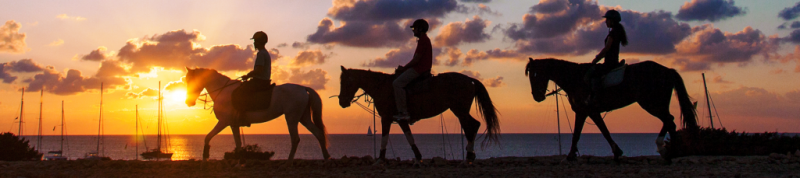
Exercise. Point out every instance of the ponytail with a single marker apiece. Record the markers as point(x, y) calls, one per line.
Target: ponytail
point(624, 40)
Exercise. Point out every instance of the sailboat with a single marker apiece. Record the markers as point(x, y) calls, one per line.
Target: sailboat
point(58, 155)
point(95, 155)
point(157, 153)
point(369, 131)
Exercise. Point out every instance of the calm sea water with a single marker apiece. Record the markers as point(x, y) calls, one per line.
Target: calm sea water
point(431, 145)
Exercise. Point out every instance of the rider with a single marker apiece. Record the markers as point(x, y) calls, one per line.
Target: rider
point(616, 36)
point(419, 64)
point(263, 66)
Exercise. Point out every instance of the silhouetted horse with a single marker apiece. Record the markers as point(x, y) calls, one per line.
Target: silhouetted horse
point(298, 103)
point(648, 83)
point(452, 91)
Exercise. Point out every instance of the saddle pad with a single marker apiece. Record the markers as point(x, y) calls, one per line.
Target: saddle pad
point(614, 77)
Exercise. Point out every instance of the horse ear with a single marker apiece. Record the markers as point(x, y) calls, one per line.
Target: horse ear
point(187, 68)
point(343, 69)
point(530, 59)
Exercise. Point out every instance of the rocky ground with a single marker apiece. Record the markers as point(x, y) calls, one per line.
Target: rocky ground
point(775, 165)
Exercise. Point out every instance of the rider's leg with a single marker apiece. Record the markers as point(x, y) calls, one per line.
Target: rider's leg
point(400, 93)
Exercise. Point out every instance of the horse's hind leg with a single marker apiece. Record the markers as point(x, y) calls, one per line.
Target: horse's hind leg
point(317, 132)
point(598, 120)
point(470, 126)
point(292, 123)
point(662, 113)
point(407, 131)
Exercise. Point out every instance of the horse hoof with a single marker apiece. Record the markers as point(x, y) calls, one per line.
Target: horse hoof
point(466, 164)
point(380, 162)
point(417, 163)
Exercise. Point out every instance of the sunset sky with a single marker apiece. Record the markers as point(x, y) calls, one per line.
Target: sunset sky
point(748, 50)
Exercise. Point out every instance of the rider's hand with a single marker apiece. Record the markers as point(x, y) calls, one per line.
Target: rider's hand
point(245, 77)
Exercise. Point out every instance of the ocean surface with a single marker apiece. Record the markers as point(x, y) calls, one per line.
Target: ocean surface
point(185, 147)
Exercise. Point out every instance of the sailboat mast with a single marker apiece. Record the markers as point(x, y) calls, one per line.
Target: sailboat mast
point(62, 125)
point(136, 135)
point(159, 116)
point(100, 121)
point(39, 135)
point(558, 120)
point(21, 106)
point(710, 117)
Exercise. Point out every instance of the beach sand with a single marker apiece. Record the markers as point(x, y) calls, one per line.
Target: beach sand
point(776, 165)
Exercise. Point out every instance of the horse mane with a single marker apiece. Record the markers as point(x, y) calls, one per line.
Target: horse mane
point(206, 71)
point(546, 62)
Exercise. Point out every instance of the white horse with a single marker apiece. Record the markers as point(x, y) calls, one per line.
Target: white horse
point(298, 103)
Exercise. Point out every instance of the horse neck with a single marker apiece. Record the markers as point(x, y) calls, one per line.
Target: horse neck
point(567, 75)
point(374, 83)
point(216, 84)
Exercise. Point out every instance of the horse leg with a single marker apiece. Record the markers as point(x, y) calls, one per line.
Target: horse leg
point(292, 123)
point(470, 126)
point(407, 131)
point(207, 146)
point(386, 126)
point(580, 118)
point(661, 111)
point(317, 132)
point(598, 120)
point(237, 139)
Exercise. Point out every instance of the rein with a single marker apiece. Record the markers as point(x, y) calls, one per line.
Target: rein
point(218, 91)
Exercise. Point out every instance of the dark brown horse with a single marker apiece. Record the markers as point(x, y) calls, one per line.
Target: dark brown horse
point(648, 83)
point(452, 91)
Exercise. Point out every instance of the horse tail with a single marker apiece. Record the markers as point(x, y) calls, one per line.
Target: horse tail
point(315, 104)
point(488, 111)
point(687, 108)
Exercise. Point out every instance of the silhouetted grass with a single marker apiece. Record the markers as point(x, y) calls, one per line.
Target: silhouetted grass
point(249, 152)
point(708, 141)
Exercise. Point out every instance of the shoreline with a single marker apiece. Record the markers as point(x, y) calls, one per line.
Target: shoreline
point(775, 165)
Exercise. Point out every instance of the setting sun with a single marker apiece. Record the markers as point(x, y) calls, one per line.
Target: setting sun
point(176, 96)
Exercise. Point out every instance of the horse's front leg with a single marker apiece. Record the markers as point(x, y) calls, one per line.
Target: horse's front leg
point(236, 137)
point(580, 118)
point(598, 120)
point(207, 146)
point(386, 126)
point(407, 131)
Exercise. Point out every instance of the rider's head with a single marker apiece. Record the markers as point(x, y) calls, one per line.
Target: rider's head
point(612, 18)
point(260, 39)
point(419, 27)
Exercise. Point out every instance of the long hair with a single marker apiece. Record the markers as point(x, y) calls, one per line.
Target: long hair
point(619, 27)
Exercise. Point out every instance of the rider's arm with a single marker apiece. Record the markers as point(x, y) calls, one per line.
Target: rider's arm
point(602, 53)
point(413, 61)
point(258, 69)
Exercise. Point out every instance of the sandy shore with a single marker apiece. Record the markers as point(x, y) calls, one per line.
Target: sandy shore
point(776, 165)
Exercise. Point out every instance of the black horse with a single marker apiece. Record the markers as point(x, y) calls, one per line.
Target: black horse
point(648, 83)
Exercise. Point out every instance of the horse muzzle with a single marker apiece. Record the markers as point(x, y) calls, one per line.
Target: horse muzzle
point(344, 104)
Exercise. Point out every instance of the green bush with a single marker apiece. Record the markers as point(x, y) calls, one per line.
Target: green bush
point(15, 148)
point(708, 141)
point(249, 152)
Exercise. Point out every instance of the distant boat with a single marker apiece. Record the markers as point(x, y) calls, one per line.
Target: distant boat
point(157, 153)
point(369, 131)
point(58, 155)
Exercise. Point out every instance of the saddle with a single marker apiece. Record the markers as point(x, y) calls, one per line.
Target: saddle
point(251, 96)
point(419, 85)
point(611, 78)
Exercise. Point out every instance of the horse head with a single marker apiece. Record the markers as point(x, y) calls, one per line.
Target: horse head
point(538, 77)
point(348, 88)
point(194, 85)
